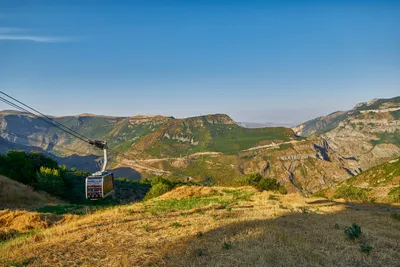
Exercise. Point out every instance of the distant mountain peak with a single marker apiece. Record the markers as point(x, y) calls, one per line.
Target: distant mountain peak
point(12, 112)
point(327, 123)
point(378, 103)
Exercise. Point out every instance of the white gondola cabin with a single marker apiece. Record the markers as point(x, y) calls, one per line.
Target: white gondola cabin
point(100, 184)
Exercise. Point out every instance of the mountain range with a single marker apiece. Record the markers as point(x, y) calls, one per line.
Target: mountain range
point(315, 155)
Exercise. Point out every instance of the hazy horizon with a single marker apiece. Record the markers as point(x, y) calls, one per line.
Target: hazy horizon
point(258, 61)
point(275, 123)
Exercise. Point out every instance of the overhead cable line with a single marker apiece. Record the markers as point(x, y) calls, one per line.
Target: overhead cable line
point(55, 123)
point(49, 118)
point(29, 138)
point(87, 140)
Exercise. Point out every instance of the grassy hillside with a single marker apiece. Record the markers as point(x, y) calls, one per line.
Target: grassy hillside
point(216, 227)
point(206, 133)
point(386, 174)
point(380, 183)
point(17, 195)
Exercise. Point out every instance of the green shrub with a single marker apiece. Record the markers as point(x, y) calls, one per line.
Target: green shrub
point(227, 245)
point(353, 231)
point(353, 193)
point(158, 190)
point(366, 249)
point(176, 224)
point(394, 195)
point(249, 179)
point(268, 184)
point(159, 179)
point(50, 180)
point(261, 183)
point(282, 190)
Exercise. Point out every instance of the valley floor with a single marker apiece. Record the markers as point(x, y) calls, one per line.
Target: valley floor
point(216, 227)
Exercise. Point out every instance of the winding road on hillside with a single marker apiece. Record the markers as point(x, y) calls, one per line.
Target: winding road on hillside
point(273, 145)
point(138, 164)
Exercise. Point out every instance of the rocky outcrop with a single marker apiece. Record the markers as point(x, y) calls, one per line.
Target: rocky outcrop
point(184, 139)
point(149, 120)
point(361, 138)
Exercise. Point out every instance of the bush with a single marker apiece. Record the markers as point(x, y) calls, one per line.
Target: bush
point(366, 249)
point(268, 184)
point(176, 225)
point(249, 179)
point(282, 190)
point(353, 231)
point(50, 180)
point(261, 183)
point(227, 245)
point(159, 179)
point(353, 193)
point(157, 190)
point(75, 185)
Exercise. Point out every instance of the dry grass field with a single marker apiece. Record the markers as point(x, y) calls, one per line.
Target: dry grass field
point(194, 226)
point(14, 194)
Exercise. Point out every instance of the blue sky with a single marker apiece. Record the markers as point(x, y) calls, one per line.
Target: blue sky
point(261, 61)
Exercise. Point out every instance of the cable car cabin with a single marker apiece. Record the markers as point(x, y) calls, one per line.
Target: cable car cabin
point(99, 185)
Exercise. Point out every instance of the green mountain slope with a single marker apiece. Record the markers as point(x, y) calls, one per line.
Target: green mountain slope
point(386, 174)
point(155, 136)
point(216, 133)
point(380, 183)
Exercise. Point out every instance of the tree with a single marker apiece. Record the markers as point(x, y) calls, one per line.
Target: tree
point(50, 180)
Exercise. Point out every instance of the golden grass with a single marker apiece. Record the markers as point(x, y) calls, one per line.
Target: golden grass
point(25, 221)
point(16, 195)
point(285, 230)
point(16, 223)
